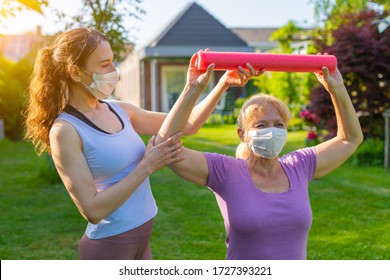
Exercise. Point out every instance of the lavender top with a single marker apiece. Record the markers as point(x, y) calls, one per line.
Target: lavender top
point(262, 225)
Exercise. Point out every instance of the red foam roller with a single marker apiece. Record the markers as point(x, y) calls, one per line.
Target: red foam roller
point(266, 61)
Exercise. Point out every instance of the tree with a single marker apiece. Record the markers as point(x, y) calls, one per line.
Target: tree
point(108, 17)
point(329, 14)
point(327, 11)
point(292, 88)
point(9, 8)
point(14, 79)
point(364, 60)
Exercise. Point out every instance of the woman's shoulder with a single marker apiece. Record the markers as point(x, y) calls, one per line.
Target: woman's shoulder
point(223, 171)
point(127, 107)
point(300, 153)
point(222, 160)
point(299, 157)
point(62, 129)
point(304, 159)
point(220, 156)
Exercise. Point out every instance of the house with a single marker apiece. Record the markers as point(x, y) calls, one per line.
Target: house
point(153, 77)
point(16, 47)
point(259, 39)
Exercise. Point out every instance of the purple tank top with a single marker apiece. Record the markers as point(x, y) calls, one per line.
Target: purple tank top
point(262, 225)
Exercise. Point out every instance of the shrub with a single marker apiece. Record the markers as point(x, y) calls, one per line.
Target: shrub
point(369, 153)
point(14, 79)
point(47, 170)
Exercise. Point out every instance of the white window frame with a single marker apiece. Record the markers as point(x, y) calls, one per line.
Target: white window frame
point(164, 84)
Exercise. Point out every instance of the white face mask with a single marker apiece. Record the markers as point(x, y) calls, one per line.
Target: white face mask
point(267, 142)
point(102, 85)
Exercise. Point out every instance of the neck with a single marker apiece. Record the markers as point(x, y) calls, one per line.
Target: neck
point(263, 166)
point(81, 99)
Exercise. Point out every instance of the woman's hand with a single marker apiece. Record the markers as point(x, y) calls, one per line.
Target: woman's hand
point(163, 154)
point(331, 81)
point(239, 77)
point(198, 79)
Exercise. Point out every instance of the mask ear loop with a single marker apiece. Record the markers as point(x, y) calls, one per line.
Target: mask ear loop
point(88, 74)
point(86, 71)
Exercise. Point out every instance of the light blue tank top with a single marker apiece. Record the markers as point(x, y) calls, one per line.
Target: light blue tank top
point(110, 158)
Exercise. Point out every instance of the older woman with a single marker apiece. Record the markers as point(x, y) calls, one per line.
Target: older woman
point(264, 198)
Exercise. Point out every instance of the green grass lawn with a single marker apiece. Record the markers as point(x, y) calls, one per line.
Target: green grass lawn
point(351, 209)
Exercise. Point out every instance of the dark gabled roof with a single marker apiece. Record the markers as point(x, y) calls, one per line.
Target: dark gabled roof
point(195, 29)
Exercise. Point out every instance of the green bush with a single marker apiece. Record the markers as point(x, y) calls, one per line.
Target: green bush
point(295, 124)
point(237, 107)
point(369, 153)
point(47, 170)
point(239, 102)
point(14, 79)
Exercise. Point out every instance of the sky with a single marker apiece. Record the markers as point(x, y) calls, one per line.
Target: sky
point(159, 13)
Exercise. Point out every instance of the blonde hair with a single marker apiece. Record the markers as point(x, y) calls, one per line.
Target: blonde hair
point(255, 104)
point(49, 86)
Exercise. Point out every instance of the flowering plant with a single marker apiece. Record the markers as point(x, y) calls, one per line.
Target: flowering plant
point(309, 117)
point(311, 125)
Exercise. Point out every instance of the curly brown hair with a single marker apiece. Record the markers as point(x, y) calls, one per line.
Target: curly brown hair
point(49, 86)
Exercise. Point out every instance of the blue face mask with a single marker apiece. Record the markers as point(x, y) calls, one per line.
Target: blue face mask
point(267, 142)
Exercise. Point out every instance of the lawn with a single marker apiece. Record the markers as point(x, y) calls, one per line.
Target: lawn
point(351, 209)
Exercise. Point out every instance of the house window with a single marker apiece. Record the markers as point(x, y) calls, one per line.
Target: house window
point(173, 80)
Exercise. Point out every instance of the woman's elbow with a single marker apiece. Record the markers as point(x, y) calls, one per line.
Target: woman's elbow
point(190, 130)
point(91, 216)
point(354, 143)
point(94, 220)
point(358, 139)
point(354, 140)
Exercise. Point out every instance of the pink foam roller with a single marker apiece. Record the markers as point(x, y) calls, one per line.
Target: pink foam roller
point(266, 61)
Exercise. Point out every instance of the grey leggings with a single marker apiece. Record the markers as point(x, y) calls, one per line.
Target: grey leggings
point(131, 245)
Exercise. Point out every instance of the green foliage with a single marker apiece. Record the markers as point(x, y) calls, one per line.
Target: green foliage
point(363, 57)
point(14, 79)
point(292, 88)
point(108, 17)
point(239, 102)
point(47, 170)
point(369, 153)
point(10, 8)
point(329, 14)
point(295, 124)
point(33, 4)
point(285, 36)
point(324, 9)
